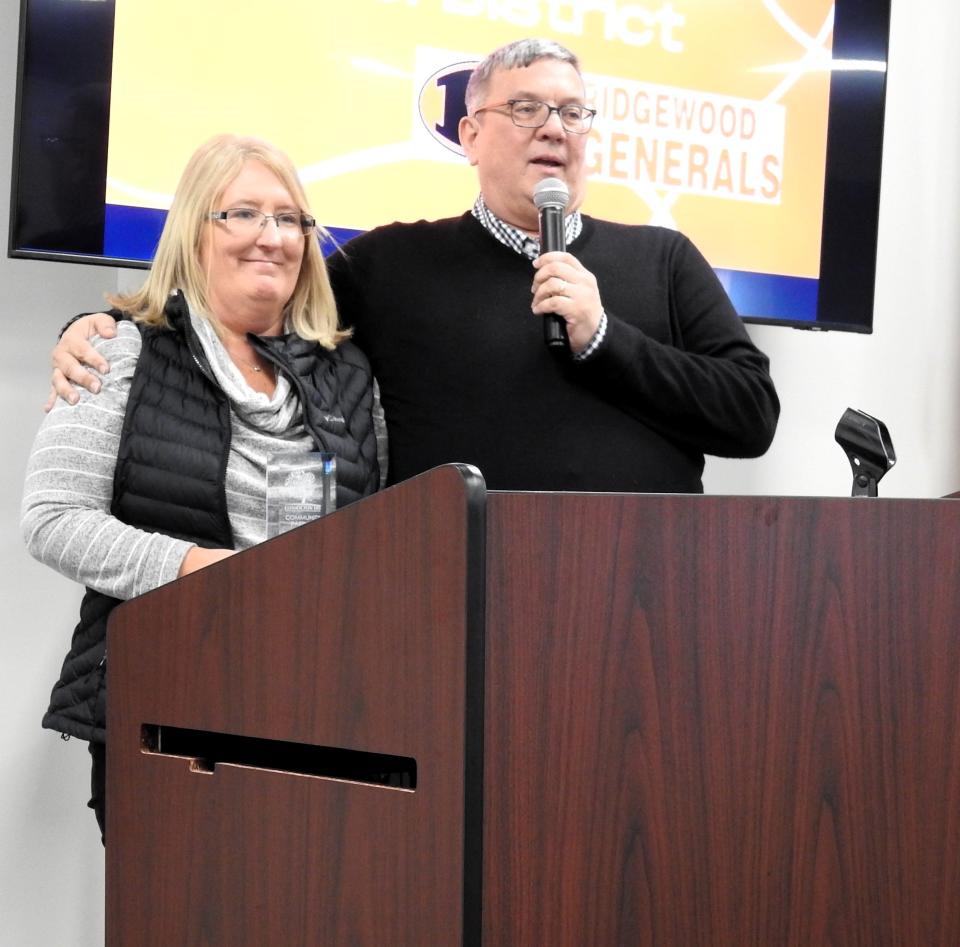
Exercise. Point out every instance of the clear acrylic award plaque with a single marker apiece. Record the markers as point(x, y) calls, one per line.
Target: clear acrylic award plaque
point(300, 488)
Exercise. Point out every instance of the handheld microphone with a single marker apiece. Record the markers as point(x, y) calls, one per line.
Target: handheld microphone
point(551, 198)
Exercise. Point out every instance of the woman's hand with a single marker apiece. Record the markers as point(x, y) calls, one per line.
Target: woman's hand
point(199, 557)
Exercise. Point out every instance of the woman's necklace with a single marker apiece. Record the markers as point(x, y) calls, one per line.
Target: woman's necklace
point(241, 361)
point(253, 366)
point(250, 365)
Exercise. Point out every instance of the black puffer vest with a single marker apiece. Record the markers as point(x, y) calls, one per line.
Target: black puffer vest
point(171, 468)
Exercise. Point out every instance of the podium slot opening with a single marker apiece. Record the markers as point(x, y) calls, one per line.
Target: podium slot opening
point(205, 749)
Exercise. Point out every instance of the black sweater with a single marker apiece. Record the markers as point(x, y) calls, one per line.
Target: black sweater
point(443, 312)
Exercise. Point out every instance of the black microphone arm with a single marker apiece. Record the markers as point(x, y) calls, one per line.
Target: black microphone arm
point(551, 197)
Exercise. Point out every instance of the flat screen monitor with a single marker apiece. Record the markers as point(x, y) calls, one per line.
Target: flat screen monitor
point(754, 126)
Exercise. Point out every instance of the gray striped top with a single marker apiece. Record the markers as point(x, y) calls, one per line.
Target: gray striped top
point(65, 514)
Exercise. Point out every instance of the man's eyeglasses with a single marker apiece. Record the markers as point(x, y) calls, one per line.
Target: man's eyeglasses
point(529, 113)
point(246, 220)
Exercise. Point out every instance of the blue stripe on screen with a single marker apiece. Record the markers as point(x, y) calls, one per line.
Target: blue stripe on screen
point(131, 233)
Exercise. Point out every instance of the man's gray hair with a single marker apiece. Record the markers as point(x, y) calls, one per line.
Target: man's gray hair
point(516, 55)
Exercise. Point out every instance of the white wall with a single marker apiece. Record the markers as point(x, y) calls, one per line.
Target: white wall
point(51, 861)
point(907, 373)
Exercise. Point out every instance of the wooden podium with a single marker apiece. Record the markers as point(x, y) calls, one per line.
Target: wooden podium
point(446, 717)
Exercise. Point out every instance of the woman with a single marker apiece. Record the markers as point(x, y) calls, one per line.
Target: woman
point(233, 354)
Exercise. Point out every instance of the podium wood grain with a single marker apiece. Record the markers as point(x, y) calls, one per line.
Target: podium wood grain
point(722, 721)
point(638, 721)
point(353, 633)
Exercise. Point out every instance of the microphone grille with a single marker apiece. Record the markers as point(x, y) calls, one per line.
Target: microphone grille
point(551, 192)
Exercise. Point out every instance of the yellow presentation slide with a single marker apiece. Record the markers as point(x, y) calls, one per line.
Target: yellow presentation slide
point(712, 114)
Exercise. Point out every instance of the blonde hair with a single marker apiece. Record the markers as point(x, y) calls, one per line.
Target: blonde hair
point(311, 311)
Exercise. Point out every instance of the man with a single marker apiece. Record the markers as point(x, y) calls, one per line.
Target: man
point(660, 369)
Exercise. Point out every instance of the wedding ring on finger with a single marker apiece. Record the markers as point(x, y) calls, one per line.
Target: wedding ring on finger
point(563, 288)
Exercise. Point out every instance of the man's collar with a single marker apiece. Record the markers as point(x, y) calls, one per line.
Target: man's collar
point(516, 239)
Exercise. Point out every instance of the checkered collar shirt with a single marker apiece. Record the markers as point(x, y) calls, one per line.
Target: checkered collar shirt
point(529, 247)
point(516, 239)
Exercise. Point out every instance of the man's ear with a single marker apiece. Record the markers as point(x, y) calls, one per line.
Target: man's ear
point(468, 128)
